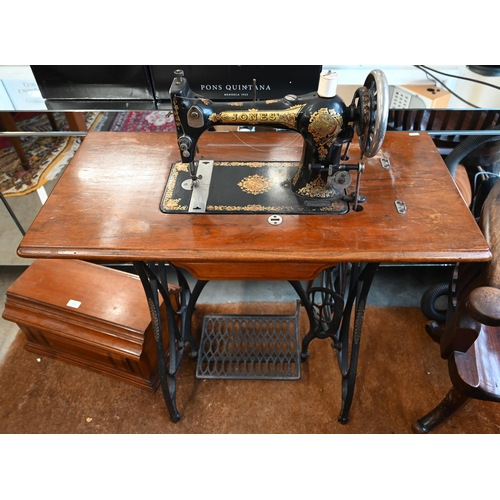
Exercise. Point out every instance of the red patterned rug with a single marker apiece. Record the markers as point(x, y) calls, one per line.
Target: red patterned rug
point(48, 156)
point(143, 121)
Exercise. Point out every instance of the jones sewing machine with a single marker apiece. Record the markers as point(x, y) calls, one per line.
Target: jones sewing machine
point(318, 183)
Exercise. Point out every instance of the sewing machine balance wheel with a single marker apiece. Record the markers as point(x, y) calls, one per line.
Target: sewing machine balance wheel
point(373, 105)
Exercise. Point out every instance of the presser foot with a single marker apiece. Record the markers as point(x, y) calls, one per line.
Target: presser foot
point(199, 186)
point(192, 183)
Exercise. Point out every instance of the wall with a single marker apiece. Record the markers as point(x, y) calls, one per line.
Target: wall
point(480, 95)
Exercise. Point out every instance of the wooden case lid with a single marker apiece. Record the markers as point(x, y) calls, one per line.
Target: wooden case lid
point(86, 292)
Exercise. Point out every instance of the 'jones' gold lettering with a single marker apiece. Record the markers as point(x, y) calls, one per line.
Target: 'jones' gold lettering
point(255, 116)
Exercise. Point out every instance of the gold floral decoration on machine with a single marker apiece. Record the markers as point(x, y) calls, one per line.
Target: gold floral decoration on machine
point(324, 126)
point(255, 184)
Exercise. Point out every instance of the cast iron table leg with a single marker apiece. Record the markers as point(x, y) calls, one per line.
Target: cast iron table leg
point(329, 318)
point(154, 280)
point(330, 308)
point(357, 297)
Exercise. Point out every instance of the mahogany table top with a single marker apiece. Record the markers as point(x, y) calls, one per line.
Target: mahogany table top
point(106, 206)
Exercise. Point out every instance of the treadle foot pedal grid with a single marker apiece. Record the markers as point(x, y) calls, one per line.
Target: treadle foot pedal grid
point(250, 347)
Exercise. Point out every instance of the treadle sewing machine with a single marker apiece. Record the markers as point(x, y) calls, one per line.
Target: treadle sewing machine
point(252, 347)
point(318, 183)
point(127, 172)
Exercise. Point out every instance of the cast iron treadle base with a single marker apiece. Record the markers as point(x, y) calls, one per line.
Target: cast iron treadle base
point(250, 347)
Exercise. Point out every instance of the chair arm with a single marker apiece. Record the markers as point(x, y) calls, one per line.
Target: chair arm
point(483, 304)
point(460, 335)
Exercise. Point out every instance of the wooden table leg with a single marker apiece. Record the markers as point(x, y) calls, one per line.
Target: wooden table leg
point(9, 125)
point(52, 120)
point(76, 121)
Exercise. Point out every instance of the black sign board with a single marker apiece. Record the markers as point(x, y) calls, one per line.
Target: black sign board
point(98, 82)
point(147, 87)
point(236, 83)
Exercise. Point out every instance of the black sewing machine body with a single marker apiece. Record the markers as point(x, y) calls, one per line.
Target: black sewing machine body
point(326, 124)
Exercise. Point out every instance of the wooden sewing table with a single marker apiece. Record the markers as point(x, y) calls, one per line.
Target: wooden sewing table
point(105, 207)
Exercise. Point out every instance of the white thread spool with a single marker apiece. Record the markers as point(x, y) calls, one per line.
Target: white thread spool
point(327, 83)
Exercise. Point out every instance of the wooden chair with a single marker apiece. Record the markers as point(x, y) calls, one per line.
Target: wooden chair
point(470, 339)
point(7, 124)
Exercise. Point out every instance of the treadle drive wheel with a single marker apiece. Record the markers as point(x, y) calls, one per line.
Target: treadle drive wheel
point(428, 302)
